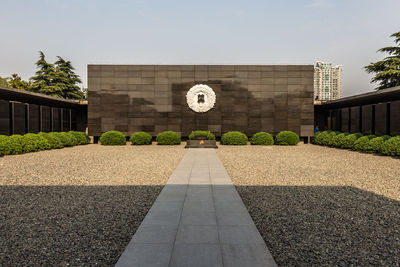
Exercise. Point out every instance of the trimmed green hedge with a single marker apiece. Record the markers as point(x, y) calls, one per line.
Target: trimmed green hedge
point(262, 138)
point(234, 138)
point(140, 138)
point(362, 144)
point(368, 144)
point(53, 140)
point(168, 138)
point(81, 137)
point(113, 138)
point(209, 135)
point(287, 138)
point(30, 142)
point(391, 147)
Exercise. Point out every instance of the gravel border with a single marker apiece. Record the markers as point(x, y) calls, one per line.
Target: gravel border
point(78, 206)
point(320, 206)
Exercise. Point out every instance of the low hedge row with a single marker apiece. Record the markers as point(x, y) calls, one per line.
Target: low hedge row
point(30, 142)
point(113, 138)
point(386, 145)
point(261, 138)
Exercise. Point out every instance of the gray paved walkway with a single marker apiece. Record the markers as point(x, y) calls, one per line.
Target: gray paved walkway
point(198, 219)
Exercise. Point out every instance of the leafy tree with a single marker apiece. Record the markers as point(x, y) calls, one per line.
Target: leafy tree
point(387, 70)
point(15, 81)
point(3, 82)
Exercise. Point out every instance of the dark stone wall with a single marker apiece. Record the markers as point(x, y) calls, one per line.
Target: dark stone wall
point(152, 98)
point(395, 118)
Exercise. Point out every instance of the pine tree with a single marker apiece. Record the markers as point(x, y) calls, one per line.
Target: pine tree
point(387, 70)
point(45, 79)
point(58, 79)
point(68, 79)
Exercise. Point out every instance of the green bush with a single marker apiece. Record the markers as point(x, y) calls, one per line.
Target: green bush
point(318, 137)
point(5, 145)
point(34, 142)
point(371, 136)
point(391, 147)
point(358, 135)
point(168, 138)
point(15, 144)
point(287, 138)
point(209, 135)
point(338, 140)
point(349, 140)
point(262, 138)
point(66, 138)
point(361, 144)
point(113, 138)
point(386, 137)
point(140, 138)
point(375, 145)
point(234, 138)
point(54, 142)
point(81, 137)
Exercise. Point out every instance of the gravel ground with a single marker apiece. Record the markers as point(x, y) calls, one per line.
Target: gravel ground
point(320, 206)
point(78, 206)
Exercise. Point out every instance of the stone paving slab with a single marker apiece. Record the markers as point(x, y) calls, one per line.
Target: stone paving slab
point(197, 220)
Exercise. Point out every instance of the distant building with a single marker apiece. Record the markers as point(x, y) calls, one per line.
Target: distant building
point(327, 81)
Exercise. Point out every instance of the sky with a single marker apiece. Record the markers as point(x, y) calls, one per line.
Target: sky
point(343, 32)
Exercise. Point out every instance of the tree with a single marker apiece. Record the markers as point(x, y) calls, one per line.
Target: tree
point(58, 79)
point(387, 70)
point(15, 81)
point(3, 82)
point(68, 79)
point(44, 80)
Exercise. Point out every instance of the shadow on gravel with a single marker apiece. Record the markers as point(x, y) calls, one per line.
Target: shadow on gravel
point(70, 225)
point(329, 226)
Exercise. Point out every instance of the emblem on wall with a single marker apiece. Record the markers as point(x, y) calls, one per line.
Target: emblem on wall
point(200, 98)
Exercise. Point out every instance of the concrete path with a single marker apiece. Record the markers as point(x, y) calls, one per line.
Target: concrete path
point(198, 219)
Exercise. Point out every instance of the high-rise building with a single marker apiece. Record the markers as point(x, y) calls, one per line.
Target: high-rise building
point(327, 81)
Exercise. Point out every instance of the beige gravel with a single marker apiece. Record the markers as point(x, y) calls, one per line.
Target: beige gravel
point(320, 206)
point(92, 165)
point(311, 165)
point(78, 206)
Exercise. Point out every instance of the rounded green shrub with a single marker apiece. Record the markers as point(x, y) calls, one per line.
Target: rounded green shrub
point(338, 140)
point(319, 137)
point(349, 140)
point(81, 137)
point(113, 138)
point(391, 147)
point(386, 137)
point(66, 139)
point(234, 138)
point(209, 135)
point(5, 145)
point(140, 138)
point(375, 145)
point(54, 142)
point(371, 136)
point(361, 144)
point(286, 138)
point(168, 138)
point(262, 138)
point(54, 139)
point(15, 144)
point(34, 142)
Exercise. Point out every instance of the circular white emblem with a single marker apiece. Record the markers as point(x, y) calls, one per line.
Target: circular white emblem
point(200, 98)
